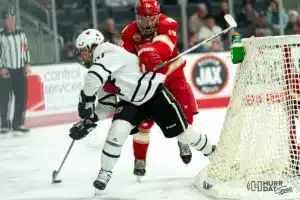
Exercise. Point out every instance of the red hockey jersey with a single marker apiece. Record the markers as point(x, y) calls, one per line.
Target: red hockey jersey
point(164, 40)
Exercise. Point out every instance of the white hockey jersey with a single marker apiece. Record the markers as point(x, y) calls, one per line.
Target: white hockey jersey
point(105, 105)
point(117, 71)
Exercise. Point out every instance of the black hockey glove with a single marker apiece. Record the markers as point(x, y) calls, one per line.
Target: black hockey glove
point(81, 129)
point(86, 106)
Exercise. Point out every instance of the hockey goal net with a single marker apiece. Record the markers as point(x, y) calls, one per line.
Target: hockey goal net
point(258, 151)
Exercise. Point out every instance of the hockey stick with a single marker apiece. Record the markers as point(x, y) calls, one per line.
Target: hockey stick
point(232, 24)
point(56, 172)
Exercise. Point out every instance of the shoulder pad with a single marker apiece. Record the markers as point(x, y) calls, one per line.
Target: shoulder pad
point(167, 23)
point(98, 53)
point(129, 29)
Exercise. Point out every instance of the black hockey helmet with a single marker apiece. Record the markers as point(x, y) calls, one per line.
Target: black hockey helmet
point(8, 13)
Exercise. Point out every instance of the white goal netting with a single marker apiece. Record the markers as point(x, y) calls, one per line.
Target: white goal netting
point(258, 152)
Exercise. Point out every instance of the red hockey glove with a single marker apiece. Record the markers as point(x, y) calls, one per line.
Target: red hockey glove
point(149, 58)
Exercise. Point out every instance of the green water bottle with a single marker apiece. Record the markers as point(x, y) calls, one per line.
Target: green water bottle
point(237, 48)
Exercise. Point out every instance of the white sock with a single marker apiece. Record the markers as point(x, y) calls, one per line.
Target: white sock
point(116, 137)
point(110, 155)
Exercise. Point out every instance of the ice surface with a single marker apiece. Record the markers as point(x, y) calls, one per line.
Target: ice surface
point(27, 162)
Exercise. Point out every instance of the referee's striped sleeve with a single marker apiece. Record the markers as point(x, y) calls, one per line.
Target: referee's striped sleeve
point(26, 50)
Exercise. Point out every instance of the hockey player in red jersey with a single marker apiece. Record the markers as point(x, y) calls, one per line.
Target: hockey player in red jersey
point(153, 37)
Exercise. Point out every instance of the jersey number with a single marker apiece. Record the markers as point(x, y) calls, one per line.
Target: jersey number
point(172, 33)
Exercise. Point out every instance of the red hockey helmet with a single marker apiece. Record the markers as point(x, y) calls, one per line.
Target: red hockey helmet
point(147, 16)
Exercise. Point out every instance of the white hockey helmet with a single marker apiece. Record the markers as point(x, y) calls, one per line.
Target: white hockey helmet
point(85, 42)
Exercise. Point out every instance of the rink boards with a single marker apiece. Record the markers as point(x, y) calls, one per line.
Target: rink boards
point(54, 89)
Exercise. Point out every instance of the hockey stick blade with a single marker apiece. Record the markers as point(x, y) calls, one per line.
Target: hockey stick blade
point(56, 172)
point(54, 175)
point(229, 19)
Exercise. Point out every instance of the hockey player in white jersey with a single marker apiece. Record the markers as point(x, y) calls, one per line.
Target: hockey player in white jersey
point(116, 71)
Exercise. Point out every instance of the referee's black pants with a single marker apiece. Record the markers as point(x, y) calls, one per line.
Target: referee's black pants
point(19, 91)
point(16, 88)
point(5, 89)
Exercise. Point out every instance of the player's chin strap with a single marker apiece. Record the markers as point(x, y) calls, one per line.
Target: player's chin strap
point(232, 24)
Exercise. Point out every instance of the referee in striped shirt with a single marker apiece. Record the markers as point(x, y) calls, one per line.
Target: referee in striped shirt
point(14, 68)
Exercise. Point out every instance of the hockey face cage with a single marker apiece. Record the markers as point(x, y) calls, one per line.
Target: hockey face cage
point(147, 24)
point(147, 12)
point(84, 56)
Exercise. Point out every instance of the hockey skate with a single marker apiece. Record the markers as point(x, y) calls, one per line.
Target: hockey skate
point(102, 179)
point(209, 156)
point(139, 169)
point(185, 153)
